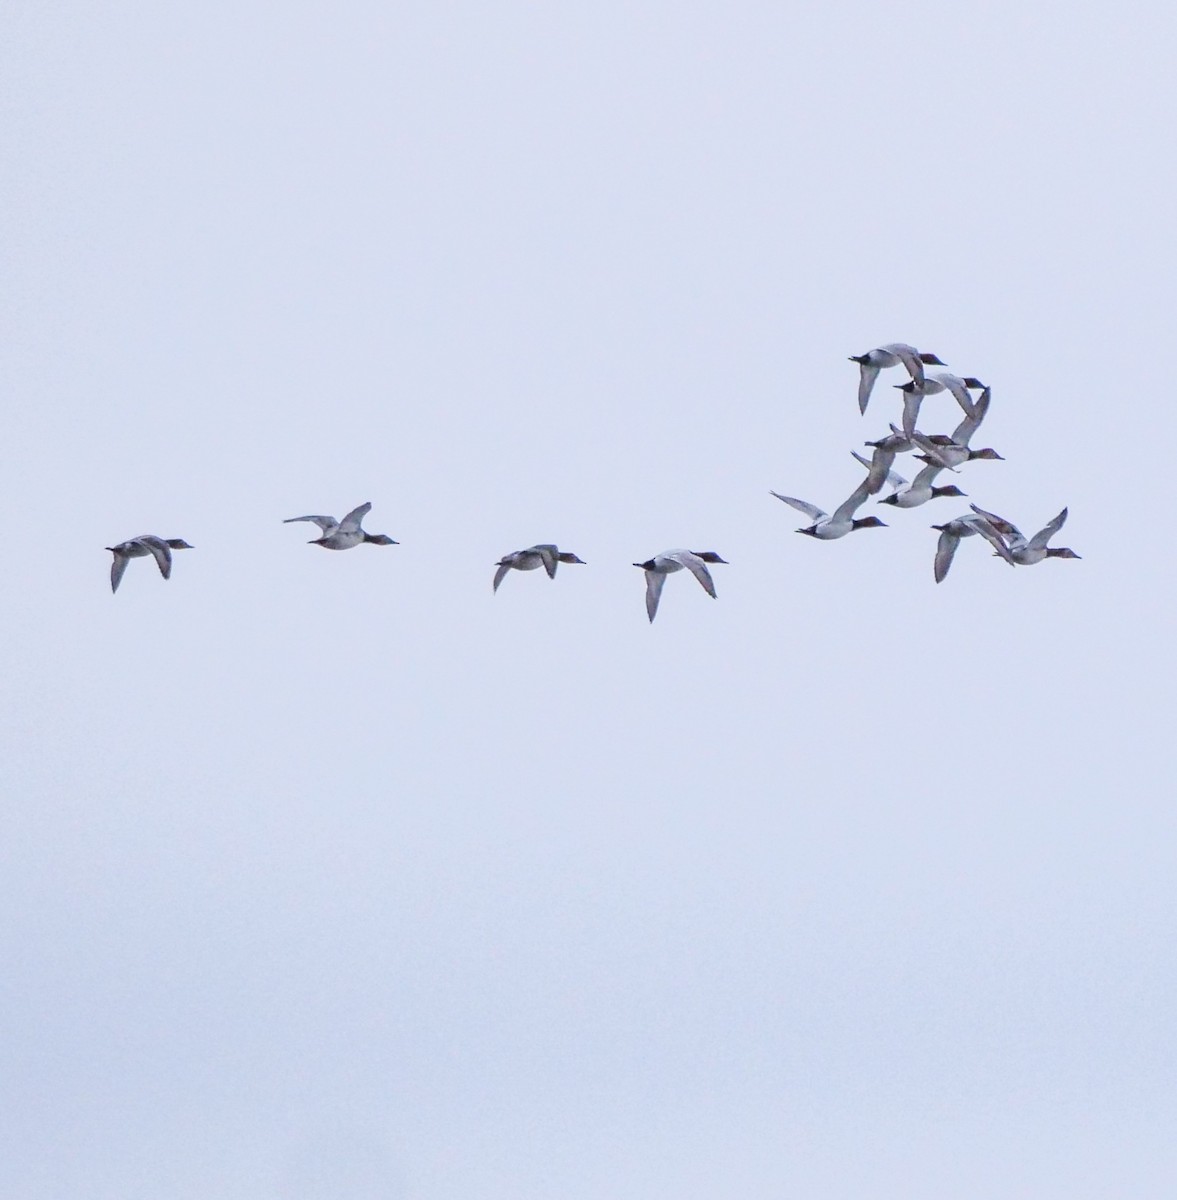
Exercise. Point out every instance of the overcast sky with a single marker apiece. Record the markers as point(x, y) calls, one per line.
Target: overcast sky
point(336, 877)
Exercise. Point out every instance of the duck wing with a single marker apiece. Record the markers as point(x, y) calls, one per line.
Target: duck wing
point(912, 399)
point(501, 574)
point(116, 571)
point(932, 450)
point(1013, 536)
point(881, 460)
point(958, 388)
point(909, 356)
point(810, 510)
point(992, 535)
point(654, 582)
point(160, 551)
point(1039, 540)
point(698, 568)
point(973, 418)
point(351, 523)
point(548, 556)
point(846, 510)
point(326, 524)
point(867, 374)
point(945, 549)
point(926, 476)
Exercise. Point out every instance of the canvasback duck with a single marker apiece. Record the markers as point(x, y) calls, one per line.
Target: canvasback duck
point(343, 535)
point(890, 355)
point(544, 555)
point(921, 490)
point(1028, 551)
point(954, 451)
point(942, 381)
point(827, 528)
point(147, 543)
point(962, 527)
point(669, 561)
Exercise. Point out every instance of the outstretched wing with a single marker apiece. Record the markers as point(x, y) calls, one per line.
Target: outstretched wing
point(894, 479)
point(810, 510)
point(993, 536)
point(547, 554)
point(698, 568)
point(927, 475)
point(945, 549)
point(326, 524)
point(867, 374)
point(1039, 540)
point(1009, 531)
point(932, 450)
point(958, 388)
point(912, 399)
point(351, 522)
point(857, 498)
point(654, 582)
point(160, 551)
point(501, 574)
point(965, 430)
point(116, 571)
point(909, 356)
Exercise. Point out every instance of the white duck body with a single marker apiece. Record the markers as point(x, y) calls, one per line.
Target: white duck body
point(921, 489)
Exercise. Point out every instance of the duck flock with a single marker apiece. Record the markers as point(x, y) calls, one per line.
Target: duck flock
point(938, 452)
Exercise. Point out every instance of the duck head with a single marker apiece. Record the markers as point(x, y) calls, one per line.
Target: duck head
point(380, 539)
point(930, 360)
point(568, 557)
point(709, 556)
point(1062, 552)
point(988, 452)
point(179, 544)
point(648, 565)
point(948, 490)
point(868, 523)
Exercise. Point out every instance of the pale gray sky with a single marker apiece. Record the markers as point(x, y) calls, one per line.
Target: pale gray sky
point(335, 876)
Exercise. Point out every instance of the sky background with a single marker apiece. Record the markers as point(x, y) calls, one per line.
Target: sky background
point(337, 877)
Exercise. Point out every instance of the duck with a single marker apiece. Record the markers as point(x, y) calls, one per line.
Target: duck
point(961, 527)
point(669, 561)
point(890, 355)
point(544, 555)
point(942, 381)
point(139, 547)
point(954, 451)
point(343, 535)
point(921, 489)
point(1028, 551)
point(827, 528)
